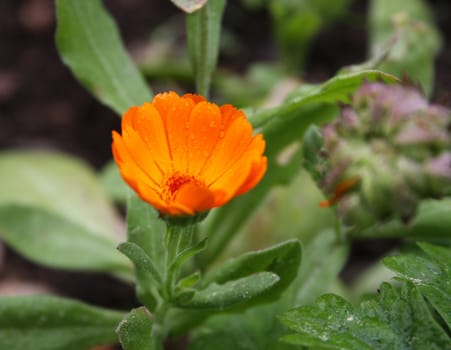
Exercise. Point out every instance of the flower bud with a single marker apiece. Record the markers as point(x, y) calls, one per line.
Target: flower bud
point(386, 152)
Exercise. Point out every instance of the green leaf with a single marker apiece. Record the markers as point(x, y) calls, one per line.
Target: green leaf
point(53, 241)
point(188, 253)
point(257, 328)
point(416, 40)
point(394, 319)
point(145, 232)
point(146, 229)
point(189, 5)
point(89, 44)
point(336, 89)
point(319, 271)
point(141, 260)
point(203, 34)
point(52, 323)
point(60, 184)
point(135, 331)
point(432, 221)
point(430, 273)
point(282, 259)
point(221, 296)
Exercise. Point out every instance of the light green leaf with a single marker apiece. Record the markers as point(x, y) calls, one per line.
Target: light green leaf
point(203, 34)
point(90, 45)
point(395, 319)
point(52, 323)
point(189, 5)
point(60, 184)
point(135, 331)
point(232, 293)
point(431, 274)
point(409, 25)
point(51, 240)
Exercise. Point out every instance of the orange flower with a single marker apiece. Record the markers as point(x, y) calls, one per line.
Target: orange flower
point(184, 155)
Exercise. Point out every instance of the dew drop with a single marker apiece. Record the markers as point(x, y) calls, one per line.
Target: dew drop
point(212, 124)
point(221, 134)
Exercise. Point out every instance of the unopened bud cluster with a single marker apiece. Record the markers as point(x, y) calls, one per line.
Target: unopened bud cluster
point(387, 151)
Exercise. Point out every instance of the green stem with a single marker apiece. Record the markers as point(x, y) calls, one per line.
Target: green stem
point(338, 228)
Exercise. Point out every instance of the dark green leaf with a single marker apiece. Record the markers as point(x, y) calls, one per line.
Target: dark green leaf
point(282, 259)
point(416, 41)
point(89, 43)
point(57, 242)
point(189, 5)
point(51, 323)
point(431, 274)
point(395, 319)
point(135, 331)
point(203, 31)
point(221, 296)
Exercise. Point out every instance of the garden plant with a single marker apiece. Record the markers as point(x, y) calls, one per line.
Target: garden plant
point(242, 194)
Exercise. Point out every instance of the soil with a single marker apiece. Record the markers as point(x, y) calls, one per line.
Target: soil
point(42, 106)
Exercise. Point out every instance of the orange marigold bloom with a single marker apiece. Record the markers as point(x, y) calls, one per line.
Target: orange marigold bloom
point(184, 155)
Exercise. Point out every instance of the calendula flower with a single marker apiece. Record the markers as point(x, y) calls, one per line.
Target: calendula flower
point(184, 155)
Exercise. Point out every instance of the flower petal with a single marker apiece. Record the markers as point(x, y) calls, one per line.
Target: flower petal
point(196, 198)
point(149, 125)
point(203, 135)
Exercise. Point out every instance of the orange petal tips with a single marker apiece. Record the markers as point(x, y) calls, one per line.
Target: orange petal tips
point(184, 155)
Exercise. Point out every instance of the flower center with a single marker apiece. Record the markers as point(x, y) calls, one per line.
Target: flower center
point(173, 183)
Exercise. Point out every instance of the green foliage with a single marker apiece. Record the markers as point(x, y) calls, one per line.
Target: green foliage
point(61, 184)
point(52, 222)
point(203, 33)
point(257, 328)
point(430, 273)
point(231, 293)
point(263, 274)
point(395, 319)
point(56, 242)
point(135, 331)
point(89, 43)
point(415, 41)
point(52, 323)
